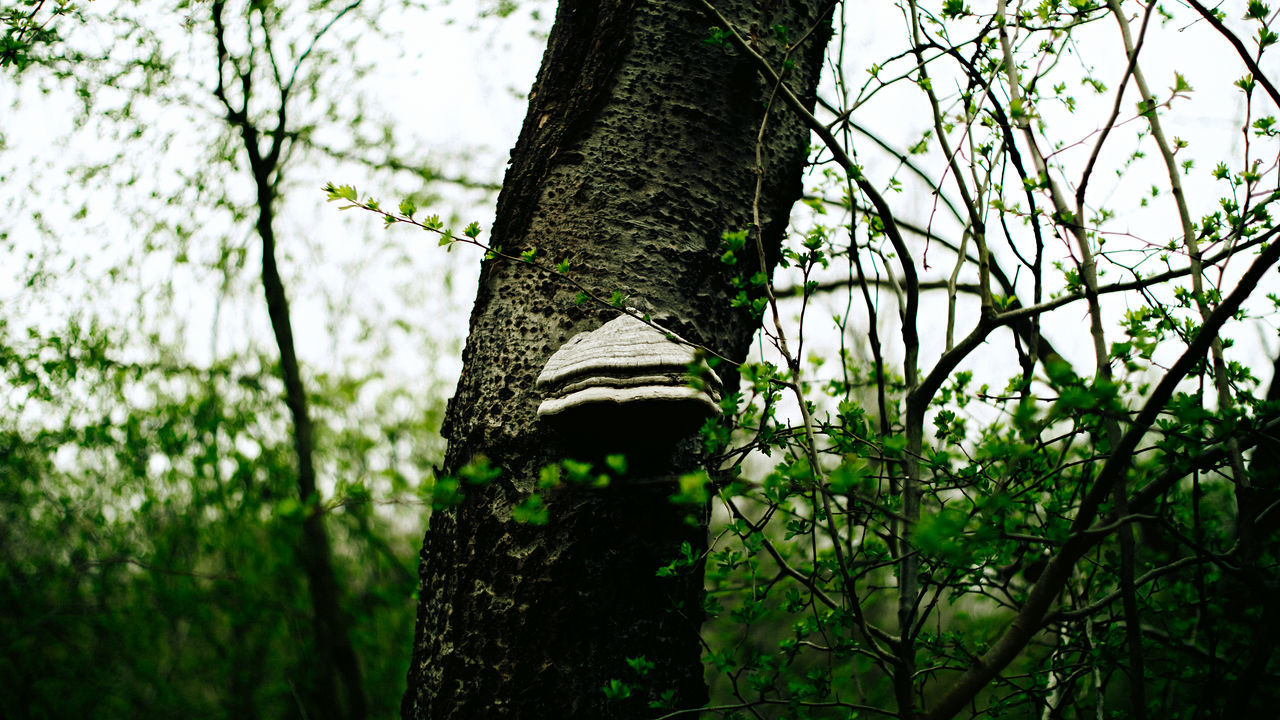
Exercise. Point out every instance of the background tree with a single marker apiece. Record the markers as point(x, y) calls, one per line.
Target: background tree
point(159, 532)
point(268, 135)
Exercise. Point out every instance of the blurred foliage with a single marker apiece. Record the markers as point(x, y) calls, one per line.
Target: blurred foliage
point(148, 527)
point(151, 527)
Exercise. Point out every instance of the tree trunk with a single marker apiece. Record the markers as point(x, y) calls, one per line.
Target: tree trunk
point(335, 659)
point(637, 153)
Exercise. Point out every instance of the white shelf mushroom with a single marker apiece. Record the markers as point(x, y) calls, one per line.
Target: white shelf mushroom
point(627, 365)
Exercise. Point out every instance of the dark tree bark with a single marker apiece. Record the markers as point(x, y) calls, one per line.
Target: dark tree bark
point(638, 151)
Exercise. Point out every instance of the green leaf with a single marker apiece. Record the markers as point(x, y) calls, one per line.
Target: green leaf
point(894, 445)
point(641, 665)
point(289, 507)
point(549, 476)
point(615, 689)
point(617, 463)
point(345, 193)
point(578, 471)
point(952, 9)
point(472, 231)
point(1180, 84)
point(716, 36)
point(446, 492)
point(666, 700)
point(530, 511)
point(693, 489)
point(479, 471)
point(734, 239)
point(1060, 371)
point(848, 477)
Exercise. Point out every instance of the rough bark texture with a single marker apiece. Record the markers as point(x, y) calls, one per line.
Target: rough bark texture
point(637, 152)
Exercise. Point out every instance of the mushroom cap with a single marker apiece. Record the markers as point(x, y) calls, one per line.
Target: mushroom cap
point(622, 362)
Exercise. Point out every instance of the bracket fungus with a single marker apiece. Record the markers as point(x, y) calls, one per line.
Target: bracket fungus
point(627, 380)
